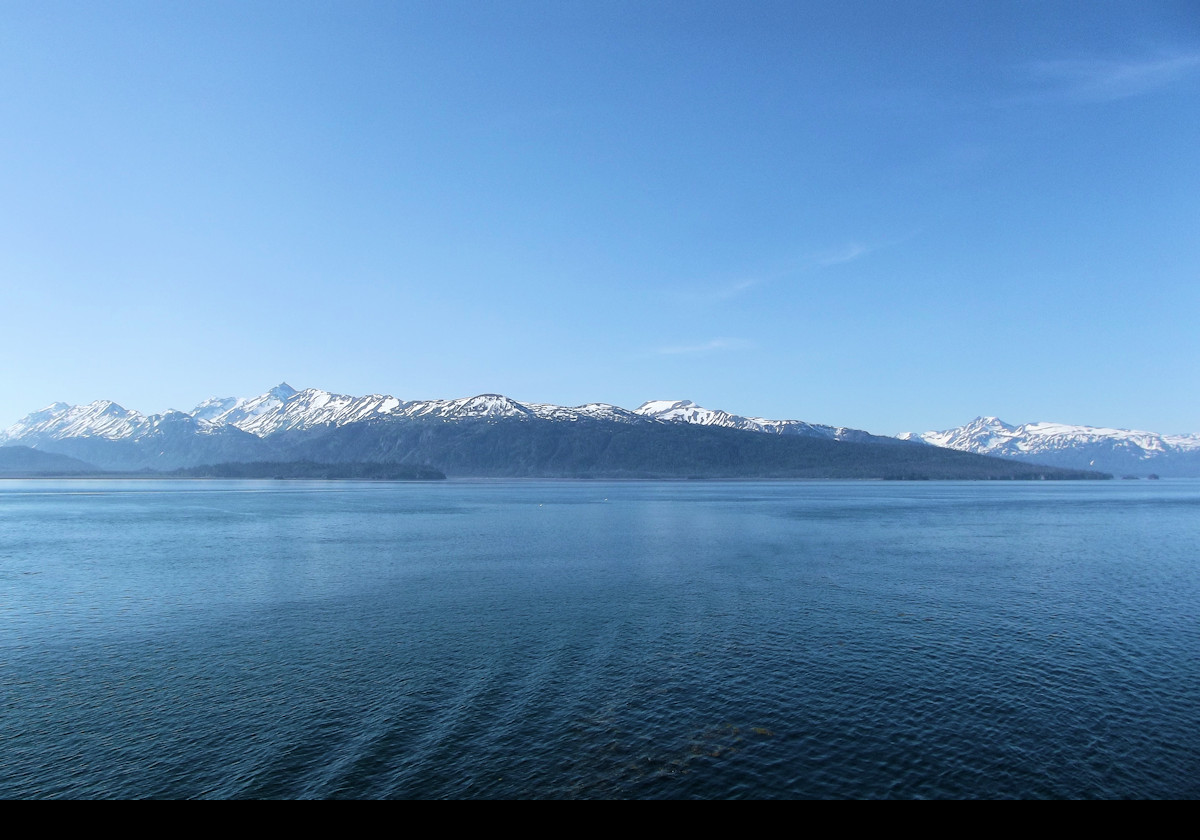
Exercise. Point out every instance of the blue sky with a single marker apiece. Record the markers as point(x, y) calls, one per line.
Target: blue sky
point(891, 216)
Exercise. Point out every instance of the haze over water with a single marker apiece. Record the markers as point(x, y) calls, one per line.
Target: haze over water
point(549, 639)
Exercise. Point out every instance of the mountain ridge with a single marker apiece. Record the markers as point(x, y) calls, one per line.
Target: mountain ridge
point(284, 408)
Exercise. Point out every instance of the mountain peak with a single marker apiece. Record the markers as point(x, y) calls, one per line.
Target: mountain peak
point(283, 391)
point(990, 422)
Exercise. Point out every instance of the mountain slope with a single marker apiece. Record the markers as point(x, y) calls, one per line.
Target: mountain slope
point(22, 461)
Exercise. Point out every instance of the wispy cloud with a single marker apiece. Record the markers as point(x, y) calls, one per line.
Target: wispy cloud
point(707, 347)
point(1106, 80)
point(852, 250)
point(720, 291)
point(849, 252)
point(735, 289)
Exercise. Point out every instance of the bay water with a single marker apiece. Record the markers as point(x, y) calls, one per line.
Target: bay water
point(592, 639)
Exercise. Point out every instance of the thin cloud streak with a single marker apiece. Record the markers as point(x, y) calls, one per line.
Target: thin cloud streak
point(1107, 80)
point(854, 250)
point(727, 291)
point(848, 253)
point(735, 289)
point(814, 261)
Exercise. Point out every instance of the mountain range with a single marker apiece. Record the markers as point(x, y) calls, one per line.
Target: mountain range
point(223, 425)
point(491, 434)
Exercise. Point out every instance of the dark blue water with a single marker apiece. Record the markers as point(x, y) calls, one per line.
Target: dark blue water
point(599, 639)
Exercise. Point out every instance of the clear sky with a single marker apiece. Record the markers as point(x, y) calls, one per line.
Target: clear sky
point(890, 216)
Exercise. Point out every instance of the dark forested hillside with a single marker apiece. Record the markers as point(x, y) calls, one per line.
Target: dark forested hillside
point(383, 471)
point(529, 448)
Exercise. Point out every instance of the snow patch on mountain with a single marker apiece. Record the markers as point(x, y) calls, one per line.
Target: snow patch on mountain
point(590, 411)
point(213, 408)
point(488, 406)
point(312, 407)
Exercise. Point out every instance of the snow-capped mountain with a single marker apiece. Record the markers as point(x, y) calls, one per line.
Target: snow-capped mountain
point(686, 411)
point(113, 437)
point(100, 419)
point(1121, 451)
point(283, 408)
point(265, 427)
point(238, 410)
point(488, 434)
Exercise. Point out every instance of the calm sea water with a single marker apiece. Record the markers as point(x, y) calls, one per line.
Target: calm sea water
point(599, 639)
